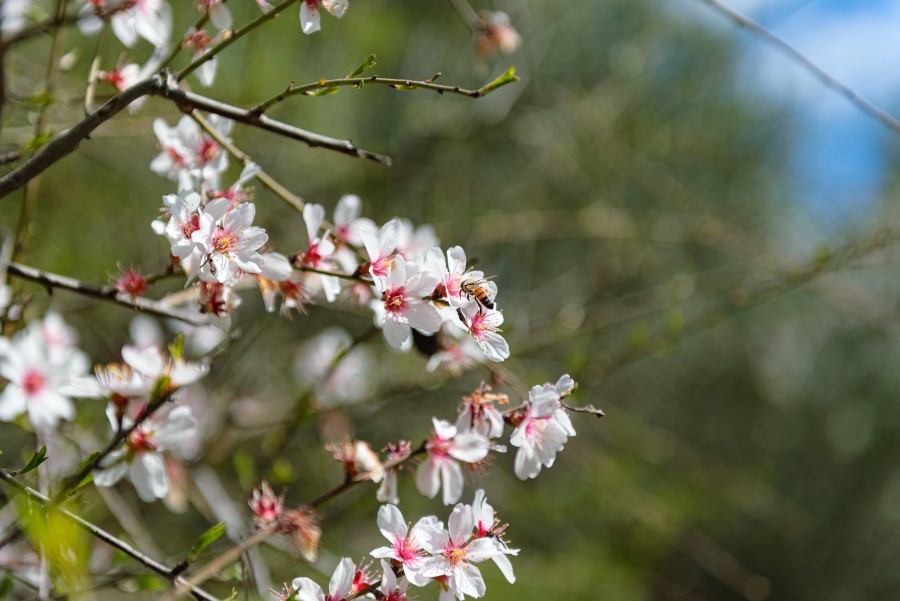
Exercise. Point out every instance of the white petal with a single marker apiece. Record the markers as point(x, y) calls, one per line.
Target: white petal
point(391, 523)
point(309, 19)
point(428, 478)
point(148, 474)
point(396, 332)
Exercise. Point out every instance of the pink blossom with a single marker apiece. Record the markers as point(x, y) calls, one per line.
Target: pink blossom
point(446, 448)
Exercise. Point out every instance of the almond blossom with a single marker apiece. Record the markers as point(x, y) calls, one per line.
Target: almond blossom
point(484, 327)
point(338, 588)
point(319, 253)
point(455, 551)
point(188, 156)
point(309, 12)
point(479, 413)
point(130, 19)
point(446, 448)
point(401, 299)
point(184, 220)
point(406, 543)
point(543, 431)
point(44, 372)
point(381, 246)
point(230, 244)
point(142, 458)
point(390, 588)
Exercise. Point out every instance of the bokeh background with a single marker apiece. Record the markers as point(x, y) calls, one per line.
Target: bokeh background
point(676, 215)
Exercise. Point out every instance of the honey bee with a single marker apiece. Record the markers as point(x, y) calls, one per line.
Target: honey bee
point(482, 290)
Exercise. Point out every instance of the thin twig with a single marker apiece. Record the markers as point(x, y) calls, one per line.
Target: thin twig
point(188, 101)
point(52, 280)
point(264, 178)
point(103, 535)
point(359, 82)
point(212, 52)
point(815, 70)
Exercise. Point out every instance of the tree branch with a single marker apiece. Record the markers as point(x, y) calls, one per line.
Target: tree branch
point(103, 535)
point(816, 71)
point(67, 141)
point(107, 293)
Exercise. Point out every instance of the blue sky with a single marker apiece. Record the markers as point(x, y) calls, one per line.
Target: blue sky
point(838, 161)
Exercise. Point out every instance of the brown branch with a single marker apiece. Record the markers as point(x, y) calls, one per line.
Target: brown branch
point(392, 82)
point(188, 101)
point(106, 293)
point(67, 141)
point(97, 532)
point(815, 70)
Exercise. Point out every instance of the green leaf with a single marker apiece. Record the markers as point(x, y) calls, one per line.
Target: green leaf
point(325, 91)
point(90, 460)
point(84, 481)
point(367, 64)
point(36, 459)
point(160, 387)
point(233, 595)
point(509, 76)
point(207, 538)
point(176, 349)
point(400, 86)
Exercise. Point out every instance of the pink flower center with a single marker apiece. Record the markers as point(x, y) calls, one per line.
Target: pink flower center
point(480, 326)
point(312, 257)
point(33, 382)
point(132, 283)
point(453, 286)
point(534, 429)
point(312, 4)
point(455, 552)
point(115, 78)
point(176, 158)
point(405, 550)
point(225, 241)
point(208, 151)
point(189, 227)
point(439, 447)
point(381, 266)
point(396, 301)
point(139, 440)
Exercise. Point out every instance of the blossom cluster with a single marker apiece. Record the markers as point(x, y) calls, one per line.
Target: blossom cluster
point(416, 555)
point(396, 270)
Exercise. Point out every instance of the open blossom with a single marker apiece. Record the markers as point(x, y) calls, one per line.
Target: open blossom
point(543, 431)
point(229, 242)
point(184, 220)
point(487, 525)
point(219, 14)
point(339, 587)
point(130, 19)
point(391, 589)
point(188, 156)
point(446, 448)
point(320, 251)
point(44, 372)
point(141, 458)
point(141, 372)
point(479, 413)
point(406, 543)
point(309, 12)
point(455, 551)
point(381, 246)
point(483, 326)
point(401, 300)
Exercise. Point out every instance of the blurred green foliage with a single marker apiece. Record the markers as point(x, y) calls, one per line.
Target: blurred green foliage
point(630, 203)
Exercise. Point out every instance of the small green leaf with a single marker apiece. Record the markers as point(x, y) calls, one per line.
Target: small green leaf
point(367, 64)
point(160, 387)
point(234, 594)
point(403, 87)
point(207, 538)
point(176, 349)
point(36, 459)
point(509, 76)
point(84, 481)
point(89, 461)
point(325, 91)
